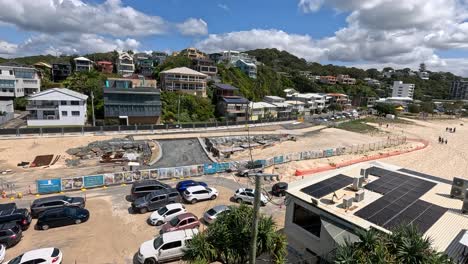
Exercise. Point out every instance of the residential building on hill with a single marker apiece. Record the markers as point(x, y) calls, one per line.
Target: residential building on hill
point(184, 80)
point(313, 102)
point(247, 67)
point(193, 53)
point(262, 110)
point(216, 57)
point(401, 89)
point(224, 89)
point(131, 105)
point(345, 79)
point(330, 209)
point(60, 71)
point(339, 99)
point(205, 66)
point(144, 64)
point(18, 81)
point(83, 64)
point(57, 107)
point(233, 108)
point(459, 90)
point(135, 80)
point(125, 64)
point(423, 75)
point(44, 69)
point(105, 66)
point(328, 79)
point(372, 82)
point(159, 56)
point(283, 109)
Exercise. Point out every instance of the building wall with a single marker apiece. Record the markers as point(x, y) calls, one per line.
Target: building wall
point(63, 119)
point(401, 89)
point(459, 90)
point(18, 81)
point(6, 106)
point(195, 85)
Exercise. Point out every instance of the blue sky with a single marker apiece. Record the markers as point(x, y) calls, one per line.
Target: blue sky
point(362, 33)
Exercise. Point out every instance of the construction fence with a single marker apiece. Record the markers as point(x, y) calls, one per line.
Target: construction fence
point(125, 177)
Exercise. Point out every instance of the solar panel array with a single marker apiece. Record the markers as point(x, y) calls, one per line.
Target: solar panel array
point(400, 203)
point(327, 186)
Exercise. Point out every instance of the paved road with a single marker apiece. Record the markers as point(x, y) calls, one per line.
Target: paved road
point(181, 152)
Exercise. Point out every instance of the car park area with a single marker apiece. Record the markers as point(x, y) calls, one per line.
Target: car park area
point(113, 226)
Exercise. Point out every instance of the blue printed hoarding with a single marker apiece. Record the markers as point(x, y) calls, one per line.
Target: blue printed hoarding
point(279, 159)
point(49, 186)
point(222, 167)
point(211, 168)
point(93, 181)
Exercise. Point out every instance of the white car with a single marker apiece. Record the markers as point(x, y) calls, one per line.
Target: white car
point(166, 213)
point(2, 253)
point(194, 194)
point(244, 195)
point(42, 255)
point(211, 215)
point(166, 247)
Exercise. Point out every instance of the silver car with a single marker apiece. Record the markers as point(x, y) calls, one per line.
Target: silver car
point(211, 215)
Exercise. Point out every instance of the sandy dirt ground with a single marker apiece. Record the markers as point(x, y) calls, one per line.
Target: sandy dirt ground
point(112, 234)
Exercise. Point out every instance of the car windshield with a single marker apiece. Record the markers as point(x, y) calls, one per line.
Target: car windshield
point(16, 260)
point(69, 199)
point(209, 189)
point(162, 210)
point(158, 242)
point(211, 212)
point(174, 221)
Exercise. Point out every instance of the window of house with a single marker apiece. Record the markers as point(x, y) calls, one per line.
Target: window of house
point(75, 102)
point(307, 220)
point(64, 113)
point(63, 102)
point(75, 113)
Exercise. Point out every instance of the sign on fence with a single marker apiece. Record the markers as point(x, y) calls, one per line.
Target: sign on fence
point(49, 186)
point(93, 181)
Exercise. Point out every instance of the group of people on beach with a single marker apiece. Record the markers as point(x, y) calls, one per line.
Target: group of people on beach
point(451, 130)
point(442, 140)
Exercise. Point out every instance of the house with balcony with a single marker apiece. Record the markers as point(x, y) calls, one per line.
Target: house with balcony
point(44, 69)
point(205, 66)
point(159, 57)
point(262, 110)
point(423, 75)
point(224, 89)
point(130, 81)
point(184, 80)
point(83, 64)
point(331, 80)
point(247, 67)
point(402, 90)
point(57, 107)
point(105, 66)
point(283, 109)
point(233, 108)
point(18, 80)
point(144, 64)
point(125, 64)
point(216, 57)
point(313, 102)
point(345, 79)
point(61, 71)
point(193, 53)
point(128, 104)
point(339, 99)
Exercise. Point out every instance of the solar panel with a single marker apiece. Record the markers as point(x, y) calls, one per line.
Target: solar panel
point(328, 186)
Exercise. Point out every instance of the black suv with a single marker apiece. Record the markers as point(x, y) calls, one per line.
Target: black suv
point(10, 234)
point(142, 188)
point(156, 200)
point(42, 204)
point(21, 217)
point(279, 188)
point(61, 217)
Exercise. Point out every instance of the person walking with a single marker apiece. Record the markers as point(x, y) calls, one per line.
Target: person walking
point(454, 129)
point(445, 141)
point(440, 139)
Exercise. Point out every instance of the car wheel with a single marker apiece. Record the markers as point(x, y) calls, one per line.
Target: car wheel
point(150, 261)
point(213, 197)
point(45, 227)
point(239, 200)
point(158, 223)
point(143, 210)
point(194, 201)
point(77, 221)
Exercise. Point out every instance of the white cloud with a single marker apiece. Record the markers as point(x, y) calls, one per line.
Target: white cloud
point(193, 26)
point(308, 6)
point(224, 7)
point(7, 48)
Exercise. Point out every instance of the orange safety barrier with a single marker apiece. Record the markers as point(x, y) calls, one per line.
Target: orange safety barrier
point(365, 158)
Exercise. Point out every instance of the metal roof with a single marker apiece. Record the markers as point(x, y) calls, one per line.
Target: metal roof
point(59, 90)
point(226, 87)
point(235, 100)
point(184, 70)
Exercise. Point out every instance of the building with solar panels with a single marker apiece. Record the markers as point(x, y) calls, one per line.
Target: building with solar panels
point(325, 210)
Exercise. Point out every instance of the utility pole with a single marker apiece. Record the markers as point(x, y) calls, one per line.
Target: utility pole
point(178, 110)
point(92, 108)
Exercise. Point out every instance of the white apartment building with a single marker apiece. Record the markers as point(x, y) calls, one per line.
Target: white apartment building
point(261, 110)
point(423, 75)
point(57, 107)
point(400, 89)
point(185, 80)
point(83, 64)
point(125, 64)
point(18, 81)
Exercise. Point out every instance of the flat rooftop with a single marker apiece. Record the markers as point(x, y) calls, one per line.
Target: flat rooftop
point(392, 196)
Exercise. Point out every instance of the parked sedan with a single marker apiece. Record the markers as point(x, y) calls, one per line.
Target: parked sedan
point(43, 256)
point(10, 234)
point(198, 193)
point(62, 217)
point(180, 222)
point(166, 213)
point(245, 195)
point(183, 185)
point(211, 215)
point(42, 204)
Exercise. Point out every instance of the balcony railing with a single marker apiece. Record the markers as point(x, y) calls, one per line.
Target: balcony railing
point(44, 118)
point(43, 106)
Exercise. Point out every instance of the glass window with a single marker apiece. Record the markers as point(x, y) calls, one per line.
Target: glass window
point(162, 210)
point(75, 102)
point(172, 245)
point(64, 113)
point(173, 195)
point(158, 242)
point(75, 113)
point(63, 102)
point(307, 220)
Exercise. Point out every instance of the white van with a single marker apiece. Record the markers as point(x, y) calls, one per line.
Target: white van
point(166, 247)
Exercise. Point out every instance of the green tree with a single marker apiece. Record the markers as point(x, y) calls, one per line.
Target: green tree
point(422, 67)
point(225, 240)
point(427, 107)
point(384, 109)
point(414, 108)
point(192, 108)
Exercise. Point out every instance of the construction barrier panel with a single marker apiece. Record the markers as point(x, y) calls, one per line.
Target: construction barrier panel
point(49, 186)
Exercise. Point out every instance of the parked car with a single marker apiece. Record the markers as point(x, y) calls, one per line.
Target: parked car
point(166, 213)
point(2, 253)
point(244, 195)
point(10, 234)
point(42, 204)
point(43, 256)
point(155, 200)
point(20, 216)
point(61, 217)
point(182, 185)
point(279, 188)
point(166, 247)
point(182, 221)
point(211, 215)
point(7, 206)
point(198, 193)
point(142, 188)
